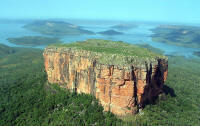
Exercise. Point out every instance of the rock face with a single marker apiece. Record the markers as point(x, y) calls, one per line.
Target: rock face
point(121, 89)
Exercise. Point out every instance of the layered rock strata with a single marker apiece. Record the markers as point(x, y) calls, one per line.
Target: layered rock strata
point(120, 88)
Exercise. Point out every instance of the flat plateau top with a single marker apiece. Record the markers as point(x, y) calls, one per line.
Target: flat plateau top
point(111, 47)
point(111, 51)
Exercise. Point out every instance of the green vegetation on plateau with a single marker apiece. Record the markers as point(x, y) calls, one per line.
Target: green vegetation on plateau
point(111, 52)
point(187, 36)
point(151, 48)
point(56, 28)
point(110, 32)
point(108, 47)
point(27, 100)
point(33, 40)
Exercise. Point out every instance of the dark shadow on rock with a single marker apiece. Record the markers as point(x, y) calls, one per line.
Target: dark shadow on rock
point(167, 90)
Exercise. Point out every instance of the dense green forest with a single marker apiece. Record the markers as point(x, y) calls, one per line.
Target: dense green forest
point(27, 99)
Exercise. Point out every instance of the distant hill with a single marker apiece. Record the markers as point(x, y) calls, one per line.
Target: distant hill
point(34, 40)
point(56, 28)
point(187, 36)
point(110, 32)
point(123, 27)
point(197, 53)
point(6, 50)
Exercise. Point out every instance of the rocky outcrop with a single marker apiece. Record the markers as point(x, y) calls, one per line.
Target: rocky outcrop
point(120, 88)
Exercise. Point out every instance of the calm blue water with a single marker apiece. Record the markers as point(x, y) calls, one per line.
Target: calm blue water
point(139, 35)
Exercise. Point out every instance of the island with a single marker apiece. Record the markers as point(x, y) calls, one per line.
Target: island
point(34, 40)
point(187, 36)
point(122, 76)
point(4, 50)
point(56, 28)
point(111, 32)
point(124, 27)
point(197, 53)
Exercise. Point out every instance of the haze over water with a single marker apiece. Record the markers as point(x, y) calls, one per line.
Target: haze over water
point(109, 13)
point(137, 35)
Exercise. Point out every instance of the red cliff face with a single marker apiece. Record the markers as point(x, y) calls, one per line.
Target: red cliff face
point(122, 89)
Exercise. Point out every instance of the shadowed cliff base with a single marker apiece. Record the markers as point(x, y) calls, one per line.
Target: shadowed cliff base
point(162, 96)
point(122, 76)
point(168, 90)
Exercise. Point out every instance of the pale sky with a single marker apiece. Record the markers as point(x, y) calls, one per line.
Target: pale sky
point(149, 10)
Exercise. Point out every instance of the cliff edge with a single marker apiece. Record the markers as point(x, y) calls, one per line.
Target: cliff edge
point(123, 77)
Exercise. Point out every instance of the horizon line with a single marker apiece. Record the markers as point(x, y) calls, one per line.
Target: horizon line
point(101, 19)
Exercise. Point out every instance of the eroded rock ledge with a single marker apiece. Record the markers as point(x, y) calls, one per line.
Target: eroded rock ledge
point(122, 83)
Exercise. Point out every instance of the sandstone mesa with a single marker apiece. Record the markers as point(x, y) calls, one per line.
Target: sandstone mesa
point(122, 83)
